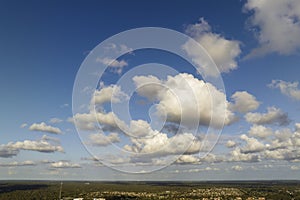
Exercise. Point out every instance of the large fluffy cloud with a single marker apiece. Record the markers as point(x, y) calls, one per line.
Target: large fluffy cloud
point(273, 116)
point(184, 97)
point(224, 52)
point(243, 102)
point(278, 25)
point(289, 89)
point(43, 127)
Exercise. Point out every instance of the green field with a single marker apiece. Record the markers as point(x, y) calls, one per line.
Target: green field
point(17, 190)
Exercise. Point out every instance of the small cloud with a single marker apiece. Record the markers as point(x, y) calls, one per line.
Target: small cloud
point(64, 105)
point(243, 102)
point(295, 167)
point(237, 168)
point(23, 125)
point(99, 139)
point(272, 116)
point(289, 89)
point(64, 164)
point(43, 127)
point(55, 120)
point(231, 144)
point(115, 65)
point(18, 164)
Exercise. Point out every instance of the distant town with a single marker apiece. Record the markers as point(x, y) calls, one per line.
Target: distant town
point(254, 190)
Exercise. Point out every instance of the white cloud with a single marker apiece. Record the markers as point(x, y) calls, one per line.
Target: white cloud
point(64, 164)
point(297, 127)
point(186, 99)
point(237, 168)
point(55, 120)
point(18, 164)
point(23, 125)
point(238, 156)
point(252, 145)
point(243, 102)
point(188, 159)
point(99, 139)
point(115, 65)
point(161, 145)
point(289, 89)
point(112, 93)
point(231, 144)
point(224, 52)
point(30, 145)
point(118, 48)
point(89, 121)
point(200, 170)
point(43, 127)
point(294, 167)
point(278, 26)
point(260, 131)
point(273, 116)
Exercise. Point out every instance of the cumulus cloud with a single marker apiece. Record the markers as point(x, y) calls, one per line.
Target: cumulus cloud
point(231, 144)
point(252, 145)
point(260, 131)
point(243, 102)
point(112, 93)
point(297, 127)
point(64, 164)
point(100, 139)
point(184, 98)
point(91, 121)
point(30, 145)
point(282, 144)
point(42, 145)
point(273, 116)
point(43, 127)
point(188, 159)
point(161, 145)
point(224, 52)
point(289, 89)
point(238, 156)
point(278, 26)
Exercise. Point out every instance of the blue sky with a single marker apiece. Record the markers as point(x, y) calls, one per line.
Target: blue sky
point(43, 44)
